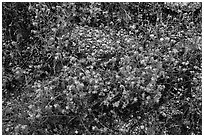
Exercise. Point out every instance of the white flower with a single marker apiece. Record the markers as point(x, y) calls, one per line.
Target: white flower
point(151, 35)
point(161, 39)
point(142, 127)
point(167, 38)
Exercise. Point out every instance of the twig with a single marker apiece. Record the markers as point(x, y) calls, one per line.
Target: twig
point(54, 99)
point(98, 121)
point(57, 116)
point(84, 125)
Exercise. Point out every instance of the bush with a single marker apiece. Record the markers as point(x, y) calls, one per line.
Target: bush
point(102, 68)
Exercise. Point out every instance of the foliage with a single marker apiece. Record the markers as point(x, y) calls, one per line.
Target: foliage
point(102, 68)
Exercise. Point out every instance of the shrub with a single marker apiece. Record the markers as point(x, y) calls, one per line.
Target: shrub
point(102, 68)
